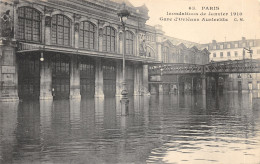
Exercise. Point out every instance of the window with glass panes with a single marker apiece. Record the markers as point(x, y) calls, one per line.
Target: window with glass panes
point(29, 24)
point(87, 35)
point(109, 39)
point(129, 42)
point(60, 30)
point(228, 54)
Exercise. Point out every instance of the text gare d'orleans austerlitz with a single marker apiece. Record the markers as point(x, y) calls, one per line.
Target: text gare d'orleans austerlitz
point(207, 14)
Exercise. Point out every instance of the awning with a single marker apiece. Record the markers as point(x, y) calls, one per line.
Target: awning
point(30, 47)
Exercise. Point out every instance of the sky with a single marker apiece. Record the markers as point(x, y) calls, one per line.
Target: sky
point(205, 32)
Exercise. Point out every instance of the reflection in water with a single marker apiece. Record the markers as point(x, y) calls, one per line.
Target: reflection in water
point(159, 129)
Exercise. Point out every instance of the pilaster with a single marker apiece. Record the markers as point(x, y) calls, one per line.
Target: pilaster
point(159, 52)
point(74, 79)
point(8, 71)
point(45, 80)
point(137, 80)
point(145, 80)
point(99, 79)
point(204, 84)
point(100, 39)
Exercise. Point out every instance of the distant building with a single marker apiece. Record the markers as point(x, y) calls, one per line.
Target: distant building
point(234, 50)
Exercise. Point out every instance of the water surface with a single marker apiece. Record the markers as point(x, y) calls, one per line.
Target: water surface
point(159, 129)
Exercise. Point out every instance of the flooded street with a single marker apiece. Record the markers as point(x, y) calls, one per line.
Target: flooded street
point(159, 129)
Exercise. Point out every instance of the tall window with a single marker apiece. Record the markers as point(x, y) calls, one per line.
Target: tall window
point(87, 35)
point(129, 42)
point(29, 24)
point(214, 55)
point(109, 39)
point(60, 30)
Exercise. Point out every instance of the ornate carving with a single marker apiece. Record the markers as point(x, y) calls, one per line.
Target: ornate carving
point(101, 23)
point(6, 25)
point(77, 17)
point(48, 21)
point(143, 48)
point(48, 10)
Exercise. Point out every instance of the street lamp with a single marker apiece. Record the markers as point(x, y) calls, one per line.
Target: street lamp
point(250, 51)
point(123, 15)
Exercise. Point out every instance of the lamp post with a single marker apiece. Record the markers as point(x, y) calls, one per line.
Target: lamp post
point(250, 51)
point(123, 15)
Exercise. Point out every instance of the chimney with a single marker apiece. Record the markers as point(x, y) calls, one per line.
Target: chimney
point(243, 38)
point(214, 41)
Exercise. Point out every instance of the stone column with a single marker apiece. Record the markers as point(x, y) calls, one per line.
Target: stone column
point(100, 39)
point(137, 80)
point(119, 78)
point(46, 79)
point(8, 71)
point(99, 79)
point(159, 52)
point(145, 80)
point(76, 29)
point(137, 41)
point(74, 79)
point(204, 84)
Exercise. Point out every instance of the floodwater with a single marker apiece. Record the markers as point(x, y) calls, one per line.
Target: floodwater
point(159, 129)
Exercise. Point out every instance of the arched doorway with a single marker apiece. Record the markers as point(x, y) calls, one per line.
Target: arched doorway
point(60, 76)
point(29, 75)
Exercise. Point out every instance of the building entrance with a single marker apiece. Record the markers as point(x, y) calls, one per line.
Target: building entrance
point(29, 76)
point(87, 76)
point(109, 78)
point(60, 76)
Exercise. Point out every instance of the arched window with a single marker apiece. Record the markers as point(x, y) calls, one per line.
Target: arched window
point(109, 39)
point(87, 35)
point(60, 30)
point(129, 42)
point(29, 24)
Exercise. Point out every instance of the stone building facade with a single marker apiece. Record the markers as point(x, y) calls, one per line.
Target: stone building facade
point(234, 50)
point(73, 49)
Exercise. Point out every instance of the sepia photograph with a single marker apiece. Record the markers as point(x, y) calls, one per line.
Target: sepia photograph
point(129, 81)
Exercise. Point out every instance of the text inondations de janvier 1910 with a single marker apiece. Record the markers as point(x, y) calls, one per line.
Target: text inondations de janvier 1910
point(202, 14)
